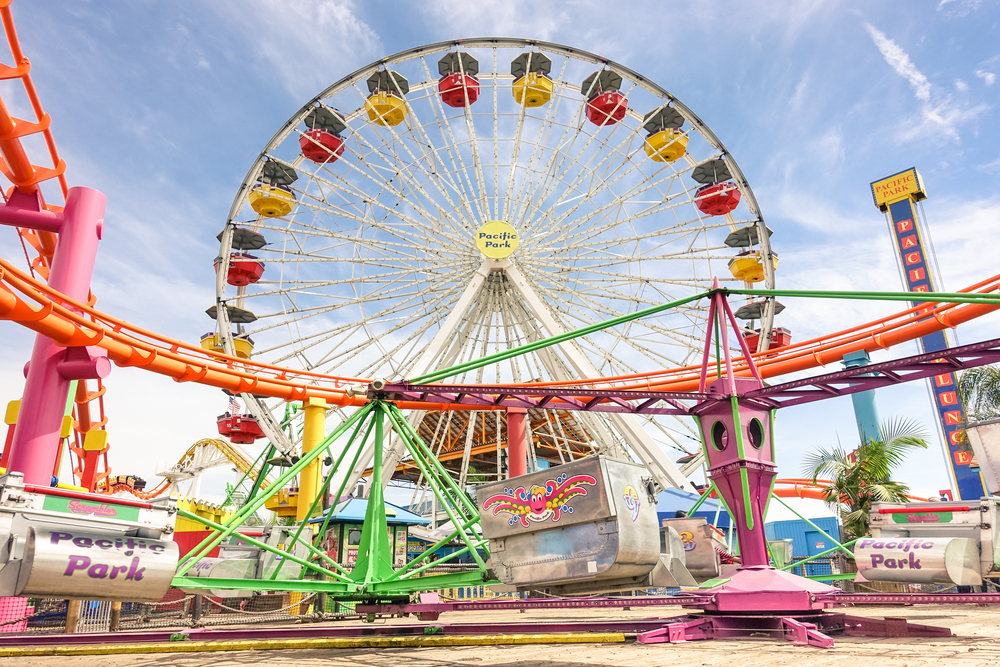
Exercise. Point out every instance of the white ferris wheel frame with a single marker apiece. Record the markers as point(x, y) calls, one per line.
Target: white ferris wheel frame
point(656, 461)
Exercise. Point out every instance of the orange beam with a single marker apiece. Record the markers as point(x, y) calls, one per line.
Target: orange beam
point(128, 345)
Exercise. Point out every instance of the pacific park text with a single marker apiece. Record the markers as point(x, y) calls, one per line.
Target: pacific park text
point(497, 240)
point(896, 563)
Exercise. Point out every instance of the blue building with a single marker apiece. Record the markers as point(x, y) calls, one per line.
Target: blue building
point(806, 540)
point(343, 534)
point(669, 501)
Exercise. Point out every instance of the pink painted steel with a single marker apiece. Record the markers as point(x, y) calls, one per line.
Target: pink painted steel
point(744, 348)
point(517, 442)
point(703, 379)
point(723, 307)
point(36, 436)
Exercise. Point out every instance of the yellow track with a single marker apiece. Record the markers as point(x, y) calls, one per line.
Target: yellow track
point(328, 643)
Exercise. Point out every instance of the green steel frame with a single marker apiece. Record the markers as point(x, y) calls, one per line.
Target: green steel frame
point(373, 575)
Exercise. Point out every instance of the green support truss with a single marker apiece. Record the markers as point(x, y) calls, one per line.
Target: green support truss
point(373, 575)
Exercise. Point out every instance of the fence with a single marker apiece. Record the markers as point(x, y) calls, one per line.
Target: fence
point(176, 610)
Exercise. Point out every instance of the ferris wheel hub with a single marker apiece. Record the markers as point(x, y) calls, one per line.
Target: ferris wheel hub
point(497, 239)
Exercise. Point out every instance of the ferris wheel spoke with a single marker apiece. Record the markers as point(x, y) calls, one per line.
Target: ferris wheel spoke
point(531, 168)
point(454, 151)
point(569, 136)
point(670, 176)
point(404, 174)
point(477, 163)
point(338, 333)
point(398, 365)
point(583, 170)
point(562, 228)
point(406, 240)
point(298, 313)
point(372, 173)
point(571, 310)
point(371, 176)
point(516, 148)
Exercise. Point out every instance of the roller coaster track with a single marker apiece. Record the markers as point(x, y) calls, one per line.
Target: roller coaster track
point(31, 303)
point(26, 179)
point(189, 461)
point(26, 300)
point(796, 487)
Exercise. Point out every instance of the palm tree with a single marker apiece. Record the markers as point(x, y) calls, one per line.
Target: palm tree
point(979, 389)
point(863, 476)
point(979, 392)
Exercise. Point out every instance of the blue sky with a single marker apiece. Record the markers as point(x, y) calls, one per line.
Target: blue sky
point(164, 106)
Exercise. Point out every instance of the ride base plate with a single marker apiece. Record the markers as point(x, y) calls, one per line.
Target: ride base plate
point(800, 629)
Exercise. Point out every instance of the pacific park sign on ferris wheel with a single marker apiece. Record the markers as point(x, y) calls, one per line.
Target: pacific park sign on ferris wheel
point(496, 239)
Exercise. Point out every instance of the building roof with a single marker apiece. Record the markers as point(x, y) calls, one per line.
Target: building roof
point(668, 501)
point(353, 510)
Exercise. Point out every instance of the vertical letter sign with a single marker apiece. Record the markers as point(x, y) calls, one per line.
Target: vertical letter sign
point(896, 196)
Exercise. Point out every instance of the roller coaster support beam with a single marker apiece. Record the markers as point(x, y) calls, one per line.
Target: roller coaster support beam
point(517, 442)
point(865, 410)
point(52, 368)
point(313, 432)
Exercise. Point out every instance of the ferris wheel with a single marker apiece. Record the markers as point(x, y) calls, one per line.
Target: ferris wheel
point(467, 197)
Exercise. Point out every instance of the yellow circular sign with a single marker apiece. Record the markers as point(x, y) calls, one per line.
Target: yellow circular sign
point(496, 239)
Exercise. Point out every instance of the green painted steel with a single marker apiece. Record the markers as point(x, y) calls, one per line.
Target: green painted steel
point(552, 340)
point(821, 554)
point(292, 585)
point(263, 545)
point(926, 297)
point(433, 582)
point(237, 519)
point(834, 577)
point(822, 532)
point(373, 574)
point(336, 467)
point(915, 297)
point(319, 498)
point(434, 473)
point(374, 560)
point(698, 503)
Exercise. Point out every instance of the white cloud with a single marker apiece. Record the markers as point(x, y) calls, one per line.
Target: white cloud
point(941, 121)
point(899, 61)
point(498, 18)
point(988, 77)
point(308, 45)
point(963, 8)
point(801, 90)
point(940, 116)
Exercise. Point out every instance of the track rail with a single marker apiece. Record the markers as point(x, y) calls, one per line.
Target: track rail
point(33, 304)
point(27, 179)
point(615, 400)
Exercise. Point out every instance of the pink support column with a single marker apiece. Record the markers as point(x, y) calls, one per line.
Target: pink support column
point(517, 442)
point(80, 226)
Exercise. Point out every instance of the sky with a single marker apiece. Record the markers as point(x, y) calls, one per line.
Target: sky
point(165, 106)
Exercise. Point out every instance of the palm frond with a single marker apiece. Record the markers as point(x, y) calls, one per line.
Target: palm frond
point(979, 389)
point(826, 463)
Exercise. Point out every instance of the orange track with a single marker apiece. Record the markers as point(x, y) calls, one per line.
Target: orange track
point(806, 488)
point(878, 334)
point(60, 318)
point(26, 178)
point(68, 323)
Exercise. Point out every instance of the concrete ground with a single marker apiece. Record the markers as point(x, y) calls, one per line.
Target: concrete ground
point(976, 642)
